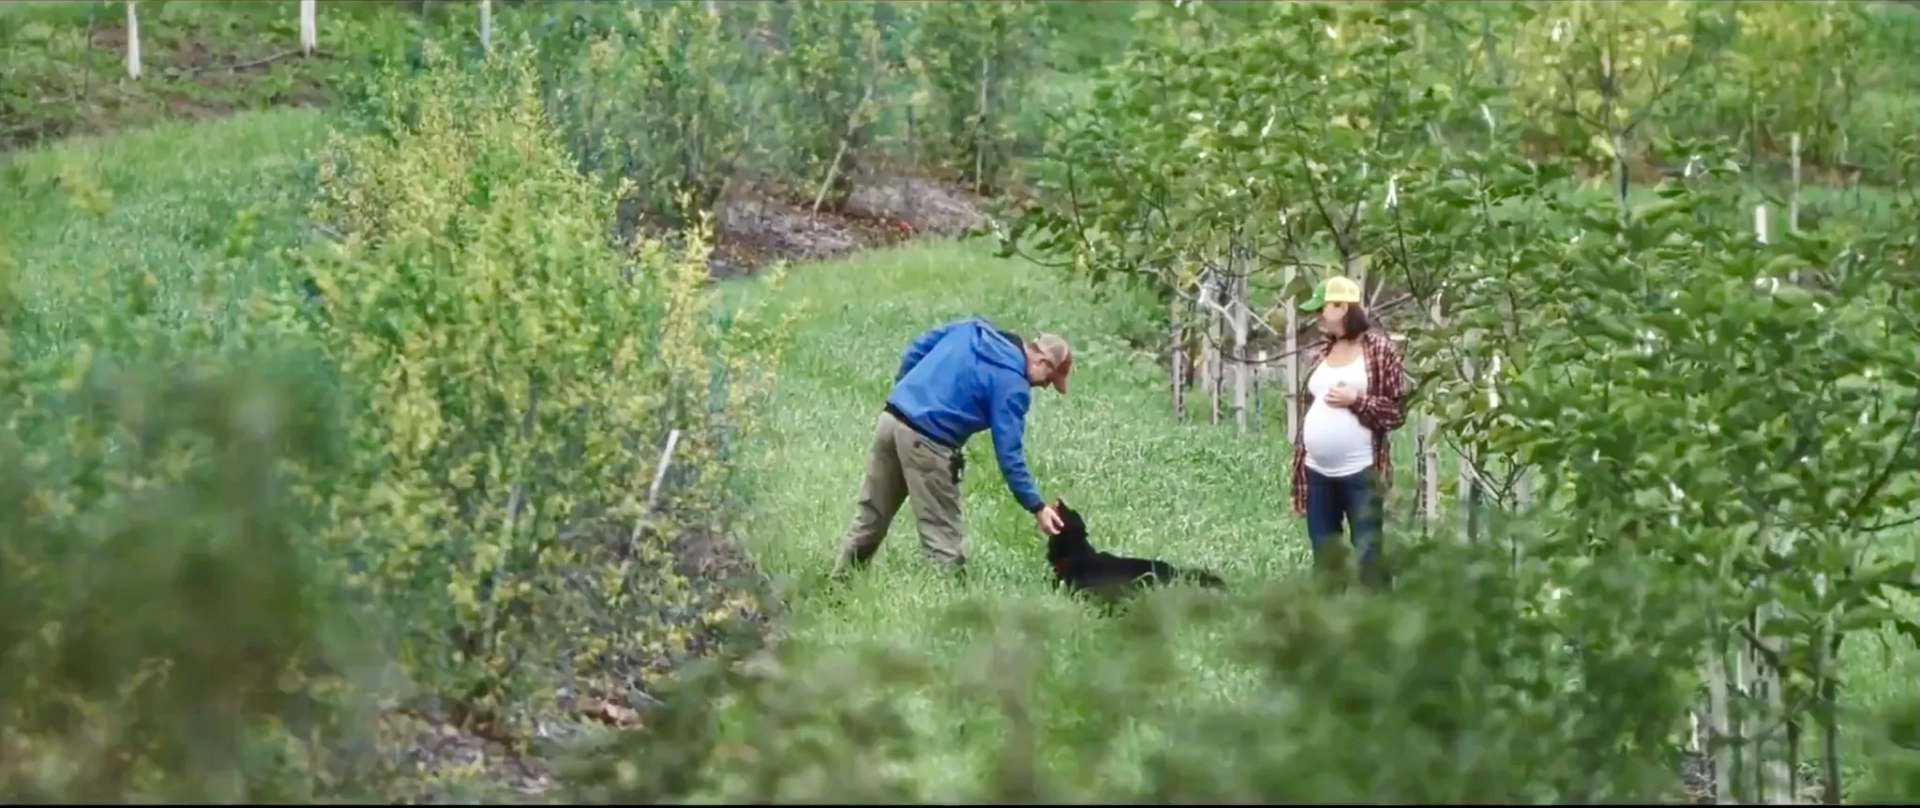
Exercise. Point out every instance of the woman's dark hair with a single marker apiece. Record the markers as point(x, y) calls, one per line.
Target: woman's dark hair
point(1355, 323)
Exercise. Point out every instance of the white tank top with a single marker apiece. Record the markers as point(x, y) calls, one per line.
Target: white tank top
point(1337, 443)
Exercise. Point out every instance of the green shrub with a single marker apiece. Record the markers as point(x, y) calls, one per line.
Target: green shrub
point(664, 100)
point(832, 66)
point(512, 374)
point(973, 64)
point(167, 630)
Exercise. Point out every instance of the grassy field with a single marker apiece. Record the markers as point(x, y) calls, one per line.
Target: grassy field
point(1191, 494)
point(1108, 446)
point(160, 201)
point(1186, 492)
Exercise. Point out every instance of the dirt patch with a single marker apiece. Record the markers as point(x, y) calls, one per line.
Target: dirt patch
point(755, 229)
point(759, 223)
point(110, 38)
point(432, 761)
point(930, 207)
point(439, 761)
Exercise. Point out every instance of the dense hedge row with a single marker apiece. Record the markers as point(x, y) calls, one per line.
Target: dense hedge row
point(689, 97)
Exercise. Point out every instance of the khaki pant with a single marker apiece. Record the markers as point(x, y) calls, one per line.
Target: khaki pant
point(902, 465)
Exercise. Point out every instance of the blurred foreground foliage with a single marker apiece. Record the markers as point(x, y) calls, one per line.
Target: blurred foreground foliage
point(1476, 681)
point(167, 631)
point(405, 474)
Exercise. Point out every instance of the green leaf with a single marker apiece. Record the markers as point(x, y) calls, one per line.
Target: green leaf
point(1791, 296)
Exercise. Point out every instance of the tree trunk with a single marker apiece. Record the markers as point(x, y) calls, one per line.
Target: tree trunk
point(1717, 722)
point(1793, 200)
point(980, 183)
point(1430, 455)
point(1176, 357)
point(1259, 383)
point(1467, 492)
point(1213, 292)
point(1238, 306)
point(1290, 367)
point(1744, 756)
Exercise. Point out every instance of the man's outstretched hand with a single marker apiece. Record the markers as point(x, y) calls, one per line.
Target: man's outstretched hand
point(1048, 521)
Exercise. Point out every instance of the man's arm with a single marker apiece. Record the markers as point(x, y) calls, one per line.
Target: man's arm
point(918, 348)
point(1009, 425)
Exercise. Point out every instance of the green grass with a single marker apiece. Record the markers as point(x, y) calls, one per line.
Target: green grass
point(93, 215)
point(1191, 494)
point(1109, 447)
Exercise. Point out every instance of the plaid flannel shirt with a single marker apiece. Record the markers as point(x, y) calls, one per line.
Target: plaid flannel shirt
point(1382, 409)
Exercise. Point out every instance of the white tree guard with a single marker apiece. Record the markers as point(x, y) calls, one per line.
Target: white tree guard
point(133, 41)
point(309, 27)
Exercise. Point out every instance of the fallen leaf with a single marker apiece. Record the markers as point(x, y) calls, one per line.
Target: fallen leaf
point(608, 712)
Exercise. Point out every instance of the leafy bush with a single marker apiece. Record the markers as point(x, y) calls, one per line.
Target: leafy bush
point(1756, 75)
point(683, 97)
point(832, 65)
point(511, 373)
point(973, 64)
point(665, 100)
point(167, 630)
point(230, 518)
point(170, 633)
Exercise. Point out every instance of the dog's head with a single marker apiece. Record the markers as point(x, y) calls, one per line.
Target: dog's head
point(1071, 541)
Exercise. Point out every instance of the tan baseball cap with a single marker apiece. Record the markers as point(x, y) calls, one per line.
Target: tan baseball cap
point(1056, 350)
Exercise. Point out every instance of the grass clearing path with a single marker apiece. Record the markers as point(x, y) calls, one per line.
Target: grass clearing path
point(1190, 493)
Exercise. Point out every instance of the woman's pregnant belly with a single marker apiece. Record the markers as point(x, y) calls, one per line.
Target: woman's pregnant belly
point(1337, 444)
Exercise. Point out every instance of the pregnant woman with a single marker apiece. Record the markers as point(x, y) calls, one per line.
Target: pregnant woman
point(1341, 461)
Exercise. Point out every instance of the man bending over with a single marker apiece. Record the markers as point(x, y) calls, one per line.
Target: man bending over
point(955, 380)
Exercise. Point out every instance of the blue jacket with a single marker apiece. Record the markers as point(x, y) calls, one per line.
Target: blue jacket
point(966, 376)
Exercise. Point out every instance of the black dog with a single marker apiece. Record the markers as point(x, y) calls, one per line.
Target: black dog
point(1082, 569)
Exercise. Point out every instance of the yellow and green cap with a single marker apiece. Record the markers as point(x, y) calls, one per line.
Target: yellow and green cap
point(1332, 290)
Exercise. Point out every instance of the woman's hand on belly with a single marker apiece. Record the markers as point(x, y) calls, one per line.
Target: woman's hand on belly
point(1334, 438)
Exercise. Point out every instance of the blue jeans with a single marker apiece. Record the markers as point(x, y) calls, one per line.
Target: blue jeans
point(1351, 499)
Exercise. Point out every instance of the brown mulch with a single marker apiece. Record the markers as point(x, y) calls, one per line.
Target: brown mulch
point(758, 224)
point(440, 761)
